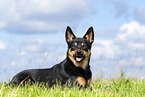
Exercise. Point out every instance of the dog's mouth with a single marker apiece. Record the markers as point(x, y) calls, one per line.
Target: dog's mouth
point(79, 58)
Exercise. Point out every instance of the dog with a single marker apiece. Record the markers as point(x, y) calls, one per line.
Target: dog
point(74, 69)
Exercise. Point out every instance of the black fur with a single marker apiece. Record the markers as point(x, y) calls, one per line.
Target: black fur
point(66, 71)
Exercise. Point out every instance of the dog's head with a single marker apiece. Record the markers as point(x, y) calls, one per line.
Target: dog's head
point(79, 48)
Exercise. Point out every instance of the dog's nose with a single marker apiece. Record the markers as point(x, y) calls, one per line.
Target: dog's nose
point(79, 51)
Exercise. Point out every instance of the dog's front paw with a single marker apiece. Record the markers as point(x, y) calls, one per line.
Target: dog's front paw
point(80, 81)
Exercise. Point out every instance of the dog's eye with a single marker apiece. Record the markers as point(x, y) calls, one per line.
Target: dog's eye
point(84, 46)
point(73, 47)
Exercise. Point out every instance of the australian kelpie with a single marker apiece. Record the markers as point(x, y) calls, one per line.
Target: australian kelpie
point(75, 69)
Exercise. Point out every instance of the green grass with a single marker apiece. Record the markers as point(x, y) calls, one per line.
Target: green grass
point(99, 88)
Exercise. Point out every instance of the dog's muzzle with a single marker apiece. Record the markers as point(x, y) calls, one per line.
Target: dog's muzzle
point(79, 56)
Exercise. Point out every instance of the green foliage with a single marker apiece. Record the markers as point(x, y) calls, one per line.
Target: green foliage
point(99, 88)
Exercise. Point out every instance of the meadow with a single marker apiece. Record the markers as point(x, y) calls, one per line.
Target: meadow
point(121, 87)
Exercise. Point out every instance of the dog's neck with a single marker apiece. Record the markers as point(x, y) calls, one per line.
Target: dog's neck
point(82, 64)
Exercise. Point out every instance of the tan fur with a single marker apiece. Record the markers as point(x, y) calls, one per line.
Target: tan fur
point(89, 81)
point(82, 44)
point(70, 37)
point(89, 38)
point(76, 44)
point(82, 64)
point(81, 81)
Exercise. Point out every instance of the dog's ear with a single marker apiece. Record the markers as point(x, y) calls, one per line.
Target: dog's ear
point(89, 35)
point(69, 35)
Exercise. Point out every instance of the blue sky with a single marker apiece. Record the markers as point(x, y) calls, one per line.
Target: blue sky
point(32, 34)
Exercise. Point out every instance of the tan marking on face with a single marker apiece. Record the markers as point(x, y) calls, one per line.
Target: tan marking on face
point(76, 44)
point(71, 53)
point(81, 81)
point(82, 44)
point(82, 64)
point(89, 81)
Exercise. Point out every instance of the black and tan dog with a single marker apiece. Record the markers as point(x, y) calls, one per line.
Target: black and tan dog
point(75, 69)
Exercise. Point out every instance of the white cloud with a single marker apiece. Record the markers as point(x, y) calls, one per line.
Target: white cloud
point(105, 48)
point(132, 34)
point(135, 46)
point(133, 41)
point(2, 45)
point(131, 27)
point(128, 44)
point(132, 31)
point(37, 16)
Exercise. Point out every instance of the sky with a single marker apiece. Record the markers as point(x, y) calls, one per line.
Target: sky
point(32, 34)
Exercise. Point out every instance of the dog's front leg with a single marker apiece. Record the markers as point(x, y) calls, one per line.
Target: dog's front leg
point(79, 81)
